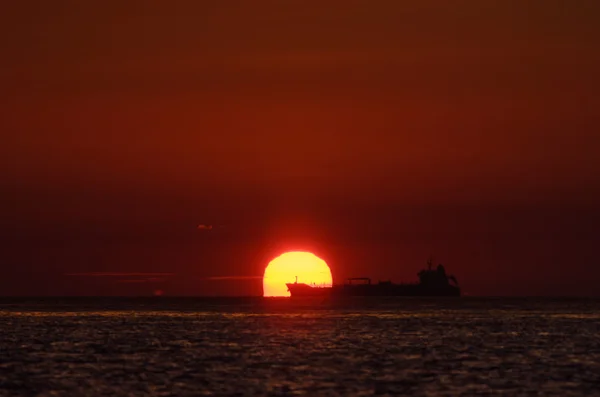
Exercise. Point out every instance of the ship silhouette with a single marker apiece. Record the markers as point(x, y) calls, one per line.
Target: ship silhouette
point(432, 282)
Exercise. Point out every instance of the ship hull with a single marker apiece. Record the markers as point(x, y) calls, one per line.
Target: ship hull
point(432, 282)
point(303, 290)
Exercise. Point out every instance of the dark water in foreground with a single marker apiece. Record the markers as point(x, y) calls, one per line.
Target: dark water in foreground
point(433, 347)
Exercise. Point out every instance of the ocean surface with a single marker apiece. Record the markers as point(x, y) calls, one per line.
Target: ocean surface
point(255, 346)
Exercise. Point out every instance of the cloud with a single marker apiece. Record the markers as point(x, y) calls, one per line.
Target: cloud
point(140, 280)
point(119, 274)
point(232, 278)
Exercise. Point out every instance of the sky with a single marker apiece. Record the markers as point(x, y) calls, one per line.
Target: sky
point(374, 134)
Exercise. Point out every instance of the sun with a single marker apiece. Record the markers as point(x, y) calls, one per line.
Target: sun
point(308, 267)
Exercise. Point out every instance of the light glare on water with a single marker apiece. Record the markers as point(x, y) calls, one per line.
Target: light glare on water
point(192, 347)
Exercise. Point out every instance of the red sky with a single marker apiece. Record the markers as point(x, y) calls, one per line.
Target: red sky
point(376, 133)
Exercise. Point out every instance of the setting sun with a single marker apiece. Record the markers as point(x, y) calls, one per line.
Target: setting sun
point(308, 267)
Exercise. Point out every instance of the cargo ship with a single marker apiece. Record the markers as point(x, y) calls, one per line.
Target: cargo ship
point(432, 282)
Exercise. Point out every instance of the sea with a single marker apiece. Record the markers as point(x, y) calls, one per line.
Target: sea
point(165, 346)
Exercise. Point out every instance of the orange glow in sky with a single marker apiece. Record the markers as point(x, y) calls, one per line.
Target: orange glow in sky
point(307, 266)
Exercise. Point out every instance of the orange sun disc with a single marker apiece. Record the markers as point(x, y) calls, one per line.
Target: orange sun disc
point(308, 267)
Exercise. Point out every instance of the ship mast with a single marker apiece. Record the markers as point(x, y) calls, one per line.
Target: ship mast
point(430, 262)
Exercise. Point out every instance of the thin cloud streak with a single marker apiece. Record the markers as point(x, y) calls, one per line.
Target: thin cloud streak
point(140, 281)
point(117, 274)
point(232, 278)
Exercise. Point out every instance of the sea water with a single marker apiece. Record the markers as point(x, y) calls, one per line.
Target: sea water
point(419, 347)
